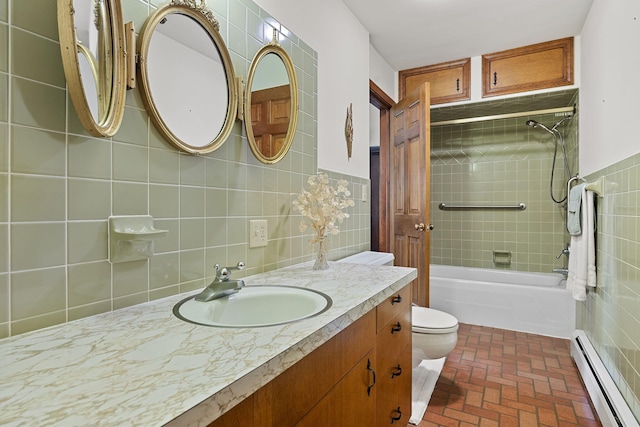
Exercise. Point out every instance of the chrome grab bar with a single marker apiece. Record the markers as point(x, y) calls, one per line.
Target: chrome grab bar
point(521, 206)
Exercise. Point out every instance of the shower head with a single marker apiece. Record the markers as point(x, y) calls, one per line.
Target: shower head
point(535, 124)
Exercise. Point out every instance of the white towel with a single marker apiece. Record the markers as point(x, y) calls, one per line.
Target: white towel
point(582, 269)
point(591, 241)
point(424, 381)
point(573, 210)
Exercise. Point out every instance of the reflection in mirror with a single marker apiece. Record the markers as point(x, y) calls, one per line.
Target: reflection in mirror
point(187, 78)
point(92, 45)
point(271, 104)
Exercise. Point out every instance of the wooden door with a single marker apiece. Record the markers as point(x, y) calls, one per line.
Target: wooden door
point(270, 111)
point(409, 162)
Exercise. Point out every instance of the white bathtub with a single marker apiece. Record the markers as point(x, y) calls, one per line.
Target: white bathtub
point(528, 302)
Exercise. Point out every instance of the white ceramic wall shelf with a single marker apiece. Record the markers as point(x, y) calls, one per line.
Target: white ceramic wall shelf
point(131, 237)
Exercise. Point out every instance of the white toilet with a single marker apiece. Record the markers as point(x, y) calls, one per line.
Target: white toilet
point(435, 333)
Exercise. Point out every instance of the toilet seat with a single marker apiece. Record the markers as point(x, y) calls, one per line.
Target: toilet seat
point(431, 321)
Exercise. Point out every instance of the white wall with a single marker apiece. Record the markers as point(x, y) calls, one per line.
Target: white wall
point(381, 73)
point(342, 44)
point(609, 90)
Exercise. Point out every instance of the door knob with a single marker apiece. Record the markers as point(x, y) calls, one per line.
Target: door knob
point(422, 227)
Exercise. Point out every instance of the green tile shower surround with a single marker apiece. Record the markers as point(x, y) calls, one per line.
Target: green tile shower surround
point(499, 162)
point(58, 185)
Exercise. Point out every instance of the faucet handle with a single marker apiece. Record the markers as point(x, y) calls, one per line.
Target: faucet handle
point(565, 251)
point(239, 266)
point(224, 273)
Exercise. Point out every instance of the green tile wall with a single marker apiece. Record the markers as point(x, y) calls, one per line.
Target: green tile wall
point(58, 185)
point(498, 162)
point(611, 314)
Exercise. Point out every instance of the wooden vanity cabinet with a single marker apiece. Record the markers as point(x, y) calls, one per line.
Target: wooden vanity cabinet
point(450, 81)
point(537, 66)
point(346, 382)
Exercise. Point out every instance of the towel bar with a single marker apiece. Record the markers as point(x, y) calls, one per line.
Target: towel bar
point(596, 186)
point(521, 206)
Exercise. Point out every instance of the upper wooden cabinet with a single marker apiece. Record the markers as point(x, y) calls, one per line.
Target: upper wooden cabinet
point(538, 66)
point(449, 80)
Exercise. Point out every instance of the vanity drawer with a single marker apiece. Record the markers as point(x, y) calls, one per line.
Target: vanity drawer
point(393, 338)
point(394, 390)
point(395, 304)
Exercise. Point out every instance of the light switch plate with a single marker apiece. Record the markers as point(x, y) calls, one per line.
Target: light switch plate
point(258, 233)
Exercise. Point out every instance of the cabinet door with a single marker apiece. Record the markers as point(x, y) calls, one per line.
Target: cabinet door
point(286, 399)
point(449, 80)
point(352, 402)
point(533, 67)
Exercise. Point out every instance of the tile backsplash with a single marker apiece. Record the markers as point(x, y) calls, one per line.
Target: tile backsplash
point(58, 185)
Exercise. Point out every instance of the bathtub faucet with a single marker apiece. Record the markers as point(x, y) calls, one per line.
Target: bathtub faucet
point(563, 270)
point(565, 251)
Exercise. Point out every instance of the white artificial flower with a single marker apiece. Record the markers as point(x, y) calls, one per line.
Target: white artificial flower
point(322, 206)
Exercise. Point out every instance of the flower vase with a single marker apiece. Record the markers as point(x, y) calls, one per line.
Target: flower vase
point(321, 257)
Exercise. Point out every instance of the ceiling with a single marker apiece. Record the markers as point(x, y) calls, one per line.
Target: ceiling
point(413, 33)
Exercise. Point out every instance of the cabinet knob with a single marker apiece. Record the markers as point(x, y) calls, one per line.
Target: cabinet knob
point(396, 415)
point(396, 328)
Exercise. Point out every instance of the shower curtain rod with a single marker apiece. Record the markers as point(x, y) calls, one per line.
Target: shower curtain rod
point(505, 116)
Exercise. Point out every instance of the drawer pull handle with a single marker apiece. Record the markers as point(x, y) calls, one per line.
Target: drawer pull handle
point(373, 374)
point(396, 372)
point(396, 328)
point(457, 85)
point(495, 78)
point(397, 299)
point(397, 417)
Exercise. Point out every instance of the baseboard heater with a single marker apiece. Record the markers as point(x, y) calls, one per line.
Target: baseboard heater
point(607, 400)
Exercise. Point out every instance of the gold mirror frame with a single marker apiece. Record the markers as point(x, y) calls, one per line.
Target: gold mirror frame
point(271, 48)
point(203, 16)
point(110, 62)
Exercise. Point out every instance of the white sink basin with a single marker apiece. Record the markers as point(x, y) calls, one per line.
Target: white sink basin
point(255, 306)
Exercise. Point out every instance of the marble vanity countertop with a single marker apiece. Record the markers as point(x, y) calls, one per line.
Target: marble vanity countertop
point(142, 366)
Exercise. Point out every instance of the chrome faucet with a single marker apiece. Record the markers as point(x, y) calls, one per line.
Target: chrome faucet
point(222, 285)
point(565, 251)
point(563, 270)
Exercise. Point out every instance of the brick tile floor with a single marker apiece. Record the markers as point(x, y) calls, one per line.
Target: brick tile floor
point(495, 377)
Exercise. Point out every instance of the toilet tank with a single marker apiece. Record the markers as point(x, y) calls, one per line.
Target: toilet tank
point(370, 258)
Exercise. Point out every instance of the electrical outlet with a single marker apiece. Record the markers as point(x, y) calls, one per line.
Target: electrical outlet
point(257, 233)
point(365, 193)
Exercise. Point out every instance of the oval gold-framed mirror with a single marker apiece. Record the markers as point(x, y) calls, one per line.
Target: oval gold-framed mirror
point(92, 43)
point(186, 77)
point(271, 103)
